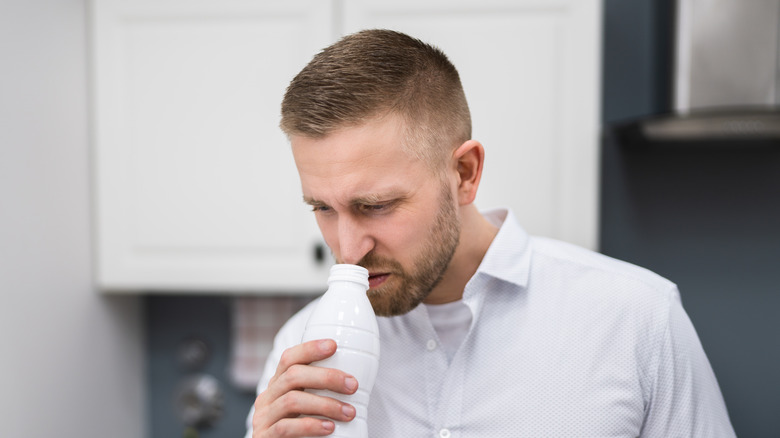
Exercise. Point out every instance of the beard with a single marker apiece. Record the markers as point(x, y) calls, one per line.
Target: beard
point(407, 289)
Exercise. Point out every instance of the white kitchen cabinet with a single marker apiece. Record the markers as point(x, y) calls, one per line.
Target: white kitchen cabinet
point(531, 72)
point(196, 189)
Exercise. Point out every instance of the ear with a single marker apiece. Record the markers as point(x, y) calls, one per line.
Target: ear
point(468, 159)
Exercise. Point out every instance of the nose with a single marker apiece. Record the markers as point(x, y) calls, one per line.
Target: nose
point(354, 240)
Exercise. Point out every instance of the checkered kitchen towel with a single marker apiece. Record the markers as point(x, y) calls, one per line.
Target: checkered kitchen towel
point(255, 323)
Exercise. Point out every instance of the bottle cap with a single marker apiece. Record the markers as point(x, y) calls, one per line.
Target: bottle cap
point(346, 272)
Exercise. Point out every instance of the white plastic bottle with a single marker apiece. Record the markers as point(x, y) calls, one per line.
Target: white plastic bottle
point(345, 315)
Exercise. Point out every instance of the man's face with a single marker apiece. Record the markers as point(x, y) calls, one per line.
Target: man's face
point(379, 208)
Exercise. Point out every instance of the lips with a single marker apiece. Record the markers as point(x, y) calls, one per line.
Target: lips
point(377, 279)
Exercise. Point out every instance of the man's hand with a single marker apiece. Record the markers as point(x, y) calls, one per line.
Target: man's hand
point(278, 408)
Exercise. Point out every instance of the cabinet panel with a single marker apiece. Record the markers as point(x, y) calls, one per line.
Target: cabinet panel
point(196, 186)
point(530, 70)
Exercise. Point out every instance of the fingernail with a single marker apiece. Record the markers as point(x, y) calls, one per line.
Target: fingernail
point(325, 346)
point(348, 411)
point(328, 426)
point(351, 383)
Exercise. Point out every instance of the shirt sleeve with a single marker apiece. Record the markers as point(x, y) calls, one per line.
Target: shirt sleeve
point(686, 400)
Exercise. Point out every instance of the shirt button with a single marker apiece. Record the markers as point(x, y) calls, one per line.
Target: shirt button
point(431, 345)
point(444, 433)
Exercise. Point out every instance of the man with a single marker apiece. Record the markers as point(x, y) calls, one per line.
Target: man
point(485, 331)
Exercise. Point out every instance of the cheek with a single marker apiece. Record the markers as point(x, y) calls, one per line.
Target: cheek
point(405, 235)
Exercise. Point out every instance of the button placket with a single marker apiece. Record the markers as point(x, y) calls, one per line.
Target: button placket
point(435, 370)
point(449, 414)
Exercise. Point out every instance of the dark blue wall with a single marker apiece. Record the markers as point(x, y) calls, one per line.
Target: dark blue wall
point(637, 48)
point(170, 320)
point(706, 216)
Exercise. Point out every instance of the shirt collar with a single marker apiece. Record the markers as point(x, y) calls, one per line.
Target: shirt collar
point(509, 257)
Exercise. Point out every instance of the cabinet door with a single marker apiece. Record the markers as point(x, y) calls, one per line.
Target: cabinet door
point(530, 69)
point(196, 188)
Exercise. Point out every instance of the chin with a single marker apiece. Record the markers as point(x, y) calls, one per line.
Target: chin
point(387, 303)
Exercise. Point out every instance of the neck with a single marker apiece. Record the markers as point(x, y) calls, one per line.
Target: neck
point(476, 235)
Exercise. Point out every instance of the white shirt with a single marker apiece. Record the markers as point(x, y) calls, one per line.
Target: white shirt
point(452, 322)
point(563, 342)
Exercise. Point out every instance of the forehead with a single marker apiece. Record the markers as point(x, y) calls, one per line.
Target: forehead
point(366, 160)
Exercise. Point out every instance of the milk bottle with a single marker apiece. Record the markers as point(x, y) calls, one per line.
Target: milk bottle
point(345, 315)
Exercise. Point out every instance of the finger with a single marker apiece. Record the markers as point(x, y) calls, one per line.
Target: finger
point(298, 427)
point(306, 353)
point(308, 377)
point(295, 403)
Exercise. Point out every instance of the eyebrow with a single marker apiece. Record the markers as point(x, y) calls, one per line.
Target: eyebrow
point(367, 199)
point(312, 201)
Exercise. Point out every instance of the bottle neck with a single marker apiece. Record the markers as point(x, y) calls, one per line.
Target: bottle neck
point(349, 273)
point(351, 286)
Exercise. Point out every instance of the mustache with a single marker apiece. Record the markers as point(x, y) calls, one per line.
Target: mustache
point(373, 262)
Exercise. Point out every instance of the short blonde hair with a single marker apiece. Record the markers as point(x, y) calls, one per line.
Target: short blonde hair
point(376, 72)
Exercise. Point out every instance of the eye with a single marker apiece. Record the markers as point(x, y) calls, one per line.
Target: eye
point(375, 207)
point(320, 208)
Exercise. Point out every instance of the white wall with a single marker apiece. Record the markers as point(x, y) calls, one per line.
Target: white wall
point(71, 361)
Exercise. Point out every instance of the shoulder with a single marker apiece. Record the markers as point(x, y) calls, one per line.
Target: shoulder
point(596, 273)
point(565, 256)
